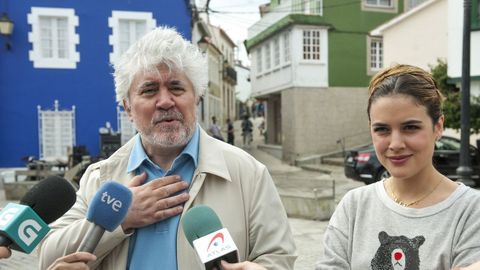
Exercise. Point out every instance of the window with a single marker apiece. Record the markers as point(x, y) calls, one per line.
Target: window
point(125, 126)
point(379, 3)
point(375, 54)
point(214, 107)
point(127, 27)
point(53, 38)
point(286, 47)
point(259, 60)
point(276, 52)
point(311, 44)
point(307, 6)
point(409, 4)
point(475, 14)
point(56, 129)
point(390, 6)
point(268, 57)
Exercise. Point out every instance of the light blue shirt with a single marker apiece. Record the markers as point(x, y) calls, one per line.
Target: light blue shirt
point(155, 246)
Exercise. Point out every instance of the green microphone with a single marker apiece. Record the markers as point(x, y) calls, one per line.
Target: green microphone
point(206, 235)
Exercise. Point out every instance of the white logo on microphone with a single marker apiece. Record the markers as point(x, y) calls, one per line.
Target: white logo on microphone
point(28, 231)
point(8, 215)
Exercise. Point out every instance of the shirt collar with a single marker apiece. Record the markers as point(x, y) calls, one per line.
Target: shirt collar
point(138, 154)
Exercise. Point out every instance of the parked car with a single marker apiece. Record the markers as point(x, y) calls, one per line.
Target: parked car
point(362, 163)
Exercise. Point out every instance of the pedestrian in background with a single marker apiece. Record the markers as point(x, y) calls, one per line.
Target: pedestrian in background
point(247, 128)
point(417, 218)
point(215, 130)
point(230, 132)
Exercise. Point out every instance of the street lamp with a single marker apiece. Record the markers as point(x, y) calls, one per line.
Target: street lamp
point(465, 170)
point(6, 28)
point(203, 44)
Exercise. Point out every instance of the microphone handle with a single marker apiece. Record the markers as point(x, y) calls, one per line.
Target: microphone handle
point(5, 241)
point(91, 239)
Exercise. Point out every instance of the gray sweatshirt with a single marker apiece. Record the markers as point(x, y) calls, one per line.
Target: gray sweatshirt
point(370, 231)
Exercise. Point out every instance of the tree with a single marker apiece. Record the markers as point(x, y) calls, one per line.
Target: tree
point(451, 104)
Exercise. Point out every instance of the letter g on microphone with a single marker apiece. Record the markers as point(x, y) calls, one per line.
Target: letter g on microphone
point(28, 231)
point(21, 224)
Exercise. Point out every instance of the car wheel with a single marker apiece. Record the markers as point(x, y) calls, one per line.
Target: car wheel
point(382, 173)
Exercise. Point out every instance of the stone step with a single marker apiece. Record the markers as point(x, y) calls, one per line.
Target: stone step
point(308, 207)
point(336, 161)
point(306, 194)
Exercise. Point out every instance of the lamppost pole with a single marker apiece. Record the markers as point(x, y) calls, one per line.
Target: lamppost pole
point(465, 169)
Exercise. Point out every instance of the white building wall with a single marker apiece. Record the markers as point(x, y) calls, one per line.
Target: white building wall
point(294, 73)
point(309, 73)
point(419, 39)
point(455, 39)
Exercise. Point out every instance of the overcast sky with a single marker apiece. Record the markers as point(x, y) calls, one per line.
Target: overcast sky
point(234, 16)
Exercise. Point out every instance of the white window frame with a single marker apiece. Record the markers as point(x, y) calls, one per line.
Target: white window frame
point(307, 7)
point(259, 60)
point(311, 45)
point(114, 23)
point(375, 55)
point(55, 142)
point(392, 8)
point(34, 37)
point(268, 57)
point(286, 47)
point(276, 52)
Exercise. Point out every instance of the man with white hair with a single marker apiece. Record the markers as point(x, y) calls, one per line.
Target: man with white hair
point(171, 165)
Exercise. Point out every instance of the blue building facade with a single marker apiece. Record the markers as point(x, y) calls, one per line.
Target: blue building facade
point(83, 80)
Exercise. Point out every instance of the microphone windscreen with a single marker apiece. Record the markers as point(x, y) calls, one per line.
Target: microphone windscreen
point(50, 198)
point(109, 206)
point(199, 221)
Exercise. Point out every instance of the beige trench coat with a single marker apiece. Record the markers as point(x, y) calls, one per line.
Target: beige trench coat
point(236, 186)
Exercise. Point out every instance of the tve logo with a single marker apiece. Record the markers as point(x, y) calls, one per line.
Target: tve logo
point(214, 245)
point(23, 226)
point(116, 204)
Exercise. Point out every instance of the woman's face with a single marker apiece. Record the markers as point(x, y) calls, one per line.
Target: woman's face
point(403, 135)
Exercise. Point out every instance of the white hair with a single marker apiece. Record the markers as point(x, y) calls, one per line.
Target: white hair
point(163, 45)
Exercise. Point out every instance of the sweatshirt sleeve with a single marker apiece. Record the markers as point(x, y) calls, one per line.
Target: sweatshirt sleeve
point(69, 230)
point(335, 240)
point(466, 249)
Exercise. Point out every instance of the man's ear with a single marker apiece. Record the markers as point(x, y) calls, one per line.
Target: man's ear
point(127, 107)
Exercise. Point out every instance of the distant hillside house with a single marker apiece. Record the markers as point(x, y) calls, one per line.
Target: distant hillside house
point(57, 90)
point(406, 39)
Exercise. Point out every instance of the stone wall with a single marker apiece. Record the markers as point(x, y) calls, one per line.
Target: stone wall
point(314, 121)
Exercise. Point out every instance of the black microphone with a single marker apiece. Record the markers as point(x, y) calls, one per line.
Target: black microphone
point(206, 235)
point(24, 225)
point(107, 210)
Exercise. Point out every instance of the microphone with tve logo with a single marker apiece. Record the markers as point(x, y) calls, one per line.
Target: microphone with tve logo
point(107, 210)
point(24, 225)
point(206, 234)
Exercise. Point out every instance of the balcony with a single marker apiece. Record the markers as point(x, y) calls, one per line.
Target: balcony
point(230, 75)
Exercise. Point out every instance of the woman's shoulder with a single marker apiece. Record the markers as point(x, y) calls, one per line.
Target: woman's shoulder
point(361, 194)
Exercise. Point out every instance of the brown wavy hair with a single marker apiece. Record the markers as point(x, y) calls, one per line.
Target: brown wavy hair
point(409, 81)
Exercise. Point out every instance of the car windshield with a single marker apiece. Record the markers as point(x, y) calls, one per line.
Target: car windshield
point(446, 143)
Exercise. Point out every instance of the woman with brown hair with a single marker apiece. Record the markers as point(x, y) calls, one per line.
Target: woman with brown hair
point(417, 218)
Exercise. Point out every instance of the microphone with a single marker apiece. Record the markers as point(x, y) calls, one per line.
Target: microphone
point(107, 210)
point(206, 235)
point(24, 225)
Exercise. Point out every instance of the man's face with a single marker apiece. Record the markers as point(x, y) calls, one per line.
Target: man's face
point(162, 106)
